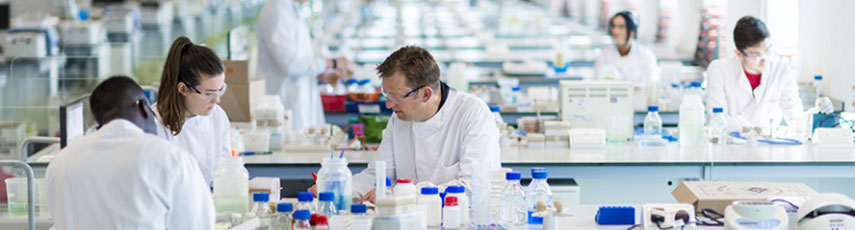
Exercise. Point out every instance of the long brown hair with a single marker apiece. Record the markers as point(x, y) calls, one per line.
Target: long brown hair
point(184, 63)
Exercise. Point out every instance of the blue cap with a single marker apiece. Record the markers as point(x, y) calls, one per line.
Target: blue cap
point(495, 109)
point(358, 208)
point(455, 189)
point(321, 82)
point(326, 196)
point(652, 108)
point(512, 175)
point(717, 110)
point(695, 84)
point(388, 182)
point(430, 190)
point(305, 196)
point(538, 173)
point(284, 207)
point(817, 77)
point(83, 15)
point(364, 81)
point(260, 197)
point(352, 81)
point(515, 88)
point(302, 215)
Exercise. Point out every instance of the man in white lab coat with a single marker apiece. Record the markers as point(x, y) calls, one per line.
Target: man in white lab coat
point(289, 65)
point(755, 89)
point(122, 176)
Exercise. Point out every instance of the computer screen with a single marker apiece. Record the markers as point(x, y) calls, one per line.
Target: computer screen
point(72, 122)
point(5, 15)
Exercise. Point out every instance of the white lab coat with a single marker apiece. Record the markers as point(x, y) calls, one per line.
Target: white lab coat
point(287, 62)
point(777, 95)
point(206, 138)
point(639, 66)
point(122, 178)
point(441, 150)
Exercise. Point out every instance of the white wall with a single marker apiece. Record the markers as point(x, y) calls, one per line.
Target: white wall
point(737, 9)
point(825, 37)
point(648, 15)
point(687, 26)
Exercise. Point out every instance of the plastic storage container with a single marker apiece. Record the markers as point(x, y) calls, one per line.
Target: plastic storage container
point(335, 177)
point(284, 218)
point(231, 186)
point(431, 206)
point(691, 124)
point(451, 213)
point(718, 127)
point(405, 187)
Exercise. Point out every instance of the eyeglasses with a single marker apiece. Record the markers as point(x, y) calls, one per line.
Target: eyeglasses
point(757, 57)
point(395, 98)
point(210, 94)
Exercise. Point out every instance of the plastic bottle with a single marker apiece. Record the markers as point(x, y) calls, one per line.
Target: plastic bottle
point(335, 177)
point(497, 116)
point(353, 86)
point(718, 127)
point(405, 187)
point(367, 88)
point(652, 122)
point(691, 122)
point(283, 219)
point(326, 88)
point(431, 206)
point(340, 89)
point(326, 205)
point(360, 221)
point(451, 213)
point(513, 211)
point(816, 87)
point(462, 201)
point(231, 186)
point(261, 209)
point(301, 220)
point(516, 95)
point(388, 187)
point(537, 190)
point(304, 202)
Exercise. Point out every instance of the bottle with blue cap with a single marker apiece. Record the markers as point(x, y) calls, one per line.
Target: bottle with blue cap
point(513, 208)
point(816, 86)
point(652, 122)
point(261, 209)
point(283, 216)
point(301, 220)
point(304, 202)
point(326, 205)
point(718, 127)
point(353, 86)
point(462, 201)
point(537, 191)
point(431, 205)
point(360, 220)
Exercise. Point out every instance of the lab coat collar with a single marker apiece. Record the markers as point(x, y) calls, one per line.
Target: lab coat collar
point(120, 127)
point(436, 122)
point(744, 84)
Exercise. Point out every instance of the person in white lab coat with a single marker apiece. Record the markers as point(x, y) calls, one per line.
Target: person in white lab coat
point(289, 65)
point(626, 60)
point(436, 134)
point(754, 88)
point(122, 176)
point(192, 83)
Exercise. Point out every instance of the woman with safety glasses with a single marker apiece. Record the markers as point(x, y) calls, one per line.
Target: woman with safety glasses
point(191, 85)
point(754, 88)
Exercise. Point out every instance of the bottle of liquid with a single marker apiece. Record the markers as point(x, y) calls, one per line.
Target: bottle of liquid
point(326, 205)
point(304, 202)
point(500, 122)
point(340, 89)
point(817, 87)
point(513, 211)
point(231, 183)
point(353, 86)
point(301, 220)
point(451, 213)
point(326, 88)
point(652, 122)
point(691, 124)
point(360, 221)
point(335, 177)
point(718, 127)
point(261, 209)
point(366, 86)
point(462, 201)
point(405, 187)
point(537, 191)
point(431, 206)
point(283, 219)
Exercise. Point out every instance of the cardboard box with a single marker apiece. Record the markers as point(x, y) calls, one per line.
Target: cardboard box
point(240, 99)
point(238, 72)
point(717, 195)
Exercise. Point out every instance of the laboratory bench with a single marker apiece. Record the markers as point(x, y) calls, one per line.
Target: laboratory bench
point(669, 119)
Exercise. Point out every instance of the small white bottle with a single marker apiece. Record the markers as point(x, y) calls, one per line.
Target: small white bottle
point(431, 206)
point(462, 201)
point(405, 187)
point(451, 213)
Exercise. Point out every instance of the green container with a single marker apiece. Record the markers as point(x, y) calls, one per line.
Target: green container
point(374, 126)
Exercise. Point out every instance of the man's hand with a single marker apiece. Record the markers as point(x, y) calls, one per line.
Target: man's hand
point(367, 197)
point(314, 190)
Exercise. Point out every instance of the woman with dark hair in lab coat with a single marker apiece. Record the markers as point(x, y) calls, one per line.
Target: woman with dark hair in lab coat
point(192, 83)
point(630, 60)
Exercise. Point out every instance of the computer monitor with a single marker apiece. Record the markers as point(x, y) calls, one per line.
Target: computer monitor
point(5, 15)
point(72, 122)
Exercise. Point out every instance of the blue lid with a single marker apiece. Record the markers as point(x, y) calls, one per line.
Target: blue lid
point(352, 81)
point(302, 215)
point(364, 81)
point(717, 110)
point(455, 189)
point(536, 220)
point(358, 208)
point(695, 84)
point(653, 108)
point(326, 196)
point(305, 196)
point(817, 77)
point(430, 190)
point(83, 15)
point(284, 207)
point(388, 182)
point(495, 109)
point(538, 173)
point(515, 88)
point(260, 197)
point(512, 175)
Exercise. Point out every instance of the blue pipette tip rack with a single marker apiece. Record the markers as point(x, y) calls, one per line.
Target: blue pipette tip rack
point(615, 215)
